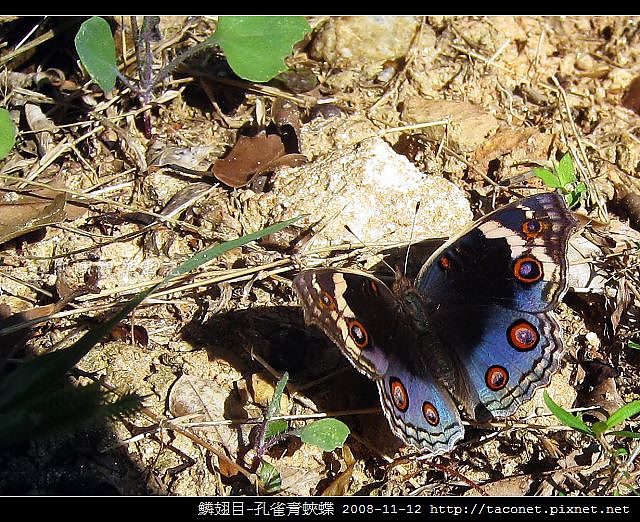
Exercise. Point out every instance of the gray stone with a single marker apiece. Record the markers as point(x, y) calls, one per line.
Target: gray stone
point(357, 41)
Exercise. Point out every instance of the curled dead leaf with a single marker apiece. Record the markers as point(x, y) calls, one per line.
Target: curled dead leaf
point(160, 154)
point(629, 203)
point(624, 301)
point(42, 127)
point(340, 484)
point(29, 214)
point(251, 156)
point(286, 117)
point(201, 399)
point(599, 390)
point(631, 99)
point(519, 143)
point(123, 332)
point(13, 341)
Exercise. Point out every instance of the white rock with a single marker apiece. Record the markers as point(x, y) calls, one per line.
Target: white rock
point(374, 191)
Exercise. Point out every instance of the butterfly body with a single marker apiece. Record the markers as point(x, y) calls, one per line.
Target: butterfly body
point(475, 331)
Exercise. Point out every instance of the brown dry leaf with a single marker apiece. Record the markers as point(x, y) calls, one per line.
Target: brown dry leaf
point(160, 154)
point(508, 487)
point(340, 485)
point(599, 389)
point(63, 288)
point(205, 400)
point(251, 156)
point(629, 202)
point(624, 300)
point(42, 127)
point(29, 214)
point(286, 116)
point(11, 342)
point(631, 99)
point(533, 144)
point(122, 332)
point(469, 124)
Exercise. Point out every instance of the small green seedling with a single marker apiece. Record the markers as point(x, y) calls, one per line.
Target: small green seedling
point(634, 345)
point(327, 434)
point(7, 133)
point(598, 430)
point(97, 52)
point(620, 477)
point(563, 177)
point(255, 47)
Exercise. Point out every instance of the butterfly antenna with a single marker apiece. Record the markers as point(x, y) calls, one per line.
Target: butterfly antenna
point(365, 245)
point(413, 227)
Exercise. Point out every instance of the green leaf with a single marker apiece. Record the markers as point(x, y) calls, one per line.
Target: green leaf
point(634, 345)
point(327, 434)
point(623, 413)
point(32, 380)
point(97, 52)
point(573, 197)
point(567, 418)
point(599, 428)
point(623, 433)
point(7, 133)
point(550, 179)
point(274, 403)
point(275, 428)
point(256, 46)
point(269, 477)
point(565, 170)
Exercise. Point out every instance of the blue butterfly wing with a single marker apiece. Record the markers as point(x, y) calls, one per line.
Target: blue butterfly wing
point(504, 355)
point(489, 294)
point(514, 257)
point(419, 410)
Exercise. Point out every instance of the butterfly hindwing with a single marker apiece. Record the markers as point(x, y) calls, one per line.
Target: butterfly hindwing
point(367, 322)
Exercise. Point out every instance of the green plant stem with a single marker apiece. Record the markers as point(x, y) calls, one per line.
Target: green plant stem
point(276, 439)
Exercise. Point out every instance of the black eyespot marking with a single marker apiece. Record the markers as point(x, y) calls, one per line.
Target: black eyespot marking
point(527, 269)
point(399, 394)
point(531, 226)
point(430, 413)
point(358, 333)
point(496, 378)
point(523, 336)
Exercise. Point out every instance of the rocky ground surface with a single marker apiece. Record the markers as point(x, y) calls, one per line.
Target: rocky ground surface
point(385, 112)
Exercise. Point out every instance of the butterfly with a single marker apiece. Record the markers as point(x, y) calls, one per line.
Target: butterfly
point(474, 333)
